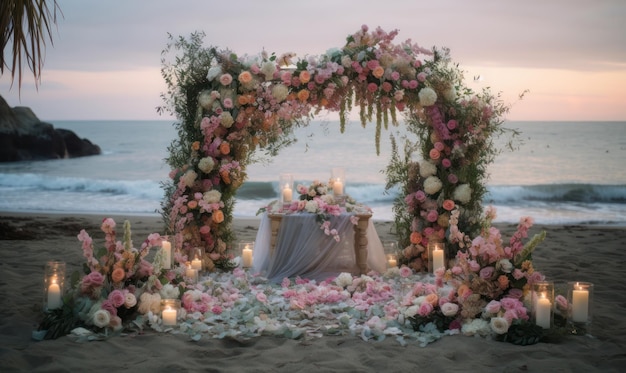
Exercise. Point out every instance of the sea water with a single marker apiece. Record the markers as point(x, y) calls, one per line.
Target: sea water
point(561, 173)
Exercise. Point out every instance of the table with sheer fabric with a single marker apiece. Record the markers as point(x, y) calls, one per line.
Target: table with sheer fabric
point(293, 245)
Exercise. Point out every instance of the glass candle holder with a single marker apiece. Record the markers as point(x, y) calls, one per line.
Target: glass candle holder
point(247, 253)
point(580, 299)
point(338, 181)
point(196, 258)
point(390, 247)
point(436, 255)
point(170, 309)
point(542, 305)
point(190, 274)
point(166, 254)
point(53, 285)
point(392, 260)
point(285, 189)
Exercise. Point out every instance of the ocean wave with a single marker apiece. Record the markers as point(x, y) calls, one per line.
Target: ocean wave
point(556, 193)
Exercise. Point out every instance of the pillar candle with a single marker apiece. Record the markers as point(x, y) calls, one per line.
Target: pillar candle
point(247, 257)
point(438, 261)
point(338, 187)
point(169, 316)
point(287, 193)
point(392, 262)
point(196, 264)
point(580, 304)
point(191, 274)
point(167, 254)
point(54, 295)
point(543, 310)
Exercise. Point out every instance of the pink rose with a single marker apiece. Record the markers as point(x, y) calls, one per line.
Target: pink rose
point(261, 297)
point(493, 307)
point(117, 298)
point(425, 309)
point(226, 79)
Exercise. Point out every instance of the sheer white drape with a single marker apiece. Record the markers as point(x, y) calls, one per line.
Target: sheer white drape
point(304, 250)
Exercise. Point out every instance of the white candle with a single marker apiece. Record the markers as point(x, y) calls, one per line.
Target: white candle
point(392, 262)
point(247, 257)
point(167, 254)
point(54, 295)
point(196, 264)
point(543, 310)
point(169, 316)
point(191, 274)
point(287, 193)
point(580, 304)
point(338, 187)
point(438, 261)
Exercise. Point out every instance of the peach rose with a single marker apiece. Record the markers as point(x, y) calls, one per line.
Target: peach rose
point(245, 77)
point(195, 145)
point(304, 76)
point(434, 154)
point(118, 275)
point(416, 238)
point(433, 299)
point(225, 148)
point(303, 95)
point(192, 204)
point(448, 204)
point(378, 72)
point(218, 216)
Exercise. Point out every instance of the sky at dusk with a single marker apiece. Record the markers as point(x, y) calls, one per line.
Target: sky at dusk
point(106, 59)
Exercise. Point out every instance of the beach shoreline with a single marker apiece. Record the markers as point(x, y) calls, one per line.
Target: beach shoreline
point(569, 253)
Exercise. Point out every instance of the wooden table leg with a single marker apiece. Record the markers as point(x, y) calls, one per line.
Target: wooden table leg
point(275, 221)
point(360, 243)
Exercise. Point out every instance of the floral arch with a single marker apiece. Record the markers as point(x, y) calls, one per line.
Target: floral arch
point(230, 107)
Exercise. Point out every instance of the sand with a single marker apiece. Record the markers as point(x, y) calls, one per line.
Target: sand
point(570, 253)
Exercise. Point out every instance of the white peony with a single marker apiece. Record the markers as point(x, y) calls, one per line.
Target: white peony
point(412, 311)
point(344, 280)
point(189, 178)
point(149, 302)
point(427, 169)
point(169, 291)
point(328, 199)
point(101, 318)
point(504, 265)
point(214, 72)
point(499, 325)
point(427, 96)
point(462, 193)
point(432, 185)
point(212, 196)
point(280, 92)
point(450, 94)
point(206, 164)
point(476, 327)
point(205, 99)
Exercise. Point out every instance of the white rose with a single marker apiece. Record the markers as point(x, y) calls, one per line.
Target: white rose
point(212, 196)
point(449, 309)
point(328, 199)
point(476, 326)
point(432, 185)
point(214, 72)
point(130, 300)
point(427, 169)
point(280, 92)
point(101, 318)
point(505, 266)
point(412, 311)
point(346, 61)
point(190, 178)
point(499, 325)
point(206, 164)
point(344, 279)
point(427, 96)
point(462, 193)
point(205, 99)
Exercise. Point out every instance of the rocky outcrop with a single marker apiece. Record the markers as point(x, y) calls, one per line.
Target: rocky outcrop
point(24, 137)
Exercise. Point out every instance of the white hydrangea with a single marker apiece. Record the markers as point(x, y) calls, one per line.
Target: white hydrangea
point(432, 185)
point(311, 206)
point(280, 92)
point(206, 99)
point(206, 164)
point(427, 96)
point(427, 169)
point(226, 119)
point(189, 178)
point(149, 302)
point(268, 69)
point(462, 193)
point(169, 291)
point(344, 279)
point(212, 196)
point(450, 94)
point(476, 327)
point(328, 199)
